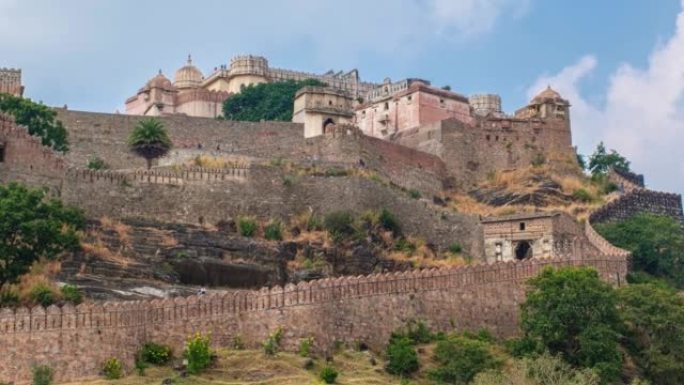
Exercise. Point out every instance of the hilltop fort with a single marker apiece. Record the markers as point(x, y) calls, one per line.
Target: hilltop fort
point(354, 146)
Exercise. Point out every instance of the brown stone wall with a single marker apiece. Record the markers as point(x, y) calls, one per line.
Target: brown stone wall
point(76, 341)
point(640, 201)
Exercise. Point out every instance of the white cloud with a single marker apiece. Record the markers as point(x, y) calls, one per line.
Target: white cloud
point(643, 114)
point(472, 17)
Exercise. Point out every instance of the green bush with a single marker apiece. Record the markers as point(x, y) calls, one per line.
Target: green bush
point(96, 163)
point(460, 358)
point(274, 231)
point(455, 248)
point(72, 294)
point(315, 223)
point(247, 226)
point(8, 297)
point(42, 375)
point(336, 171)
point(272, 344)
point(305, 345)
point(112, 369)
point(415, 194)
point(42, 294)
point(238, 343)
point(419, 333)
point(402, 358)
point(582, 195)
point(389, 222)
point(288, 180)
point(156, 354)
point(404, 245)
point(198, 353)
point(339, 224)
point(328, 375)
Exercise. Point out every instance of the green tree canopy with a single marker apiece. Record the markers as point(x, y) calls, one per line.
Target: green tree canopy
point(33, 227)
point(656, 243)
point(600, 161)
point(265, 101)
point(654, 319)
point(571, 312)
point(150, 140)
point(38, 118)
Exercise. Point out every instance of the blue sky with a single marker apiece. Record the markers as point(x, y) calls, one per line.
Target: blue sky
point(620, 62)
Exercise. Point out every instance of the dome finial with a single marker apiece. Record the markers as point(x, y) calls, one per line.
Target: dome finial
point(160, 71)
point(189, 59)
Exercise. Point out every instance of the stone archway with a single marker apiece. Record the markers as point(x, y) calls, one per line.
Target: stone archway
point(326, 123)
point(523, 250)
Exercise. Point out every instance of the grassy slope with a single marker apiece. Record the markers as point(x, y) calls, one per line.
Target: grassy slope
point(253, 367)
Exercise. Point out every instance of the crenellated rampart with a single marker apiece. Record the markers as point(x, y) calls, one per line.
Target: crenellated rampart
point(76, 340)
point(637, 201)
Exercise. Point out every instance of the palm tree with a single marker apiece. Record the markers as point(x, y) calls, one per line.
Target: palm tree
point(150, 140)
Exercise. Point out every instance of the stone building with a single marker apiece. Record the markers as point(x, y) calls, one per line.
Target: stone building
point(193, 94)
point(526, 236)
point(320, 107)
point(547, 104)
point(395, 107)
point(10, 82)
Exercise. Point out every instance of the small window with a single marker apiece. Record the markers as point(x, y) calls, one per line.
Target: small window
point(488, 137)
point(2, 154)
point(497, 138)
point(410, 98)
point(522, 226)
point(441, 101)
point(386, 106)
point(330, 102)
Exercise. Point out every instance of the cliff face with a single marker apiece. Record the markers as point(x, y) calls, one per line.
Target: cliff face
point(137, 259)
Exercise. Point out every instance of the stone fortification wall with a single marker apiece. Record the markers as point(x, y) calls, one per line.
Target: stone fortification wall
point(640, 201)
point(471, 152)
point(76, 341)
point(208, 196)
point(104, 135)
point(627, 181)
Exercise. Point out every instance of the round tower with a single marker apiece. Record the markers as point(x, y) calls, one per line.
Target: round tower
point(486, 104)
point(188, 76)
point(247, 70)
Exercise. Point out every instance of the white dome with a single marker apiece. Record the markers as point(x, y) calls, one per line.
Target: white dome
point(188, 76)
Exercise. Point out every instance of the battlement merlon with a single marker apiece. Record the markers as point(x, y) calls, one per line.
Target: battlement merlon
point(10, 81)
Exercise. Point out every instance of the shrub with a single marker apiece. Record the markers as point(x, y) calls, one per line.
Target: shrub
point(305, 345)
point(402, 358)
point(314, 223)
point(272, 343)
point(288, 180)
point(336, 171)
point(274, 231)
point(389, 222)
point(198, 353)
point(538, 160)
point(405, 246)
point(72, 294)
point(455, 248)
point(42, 375)
point(112, 369)
point(140, 364)
point(460, 359)
point(582, 195)
point(9, 297)
point(419, 333)
point(238, 343)
point(328, 374)
point(96, 163)
point(339, 224)
point(415, 194)
point(247, 226)
point(156, 354)
point(42, 294)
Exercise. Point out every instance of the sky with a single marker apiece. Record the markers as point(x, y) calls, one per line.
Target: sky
point(619, 62)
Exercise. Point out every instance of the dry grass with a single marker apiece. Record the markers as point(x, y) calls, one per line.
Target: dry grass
point(219, 162)
point(99, 250)
point(122, 230)
point(252, 367)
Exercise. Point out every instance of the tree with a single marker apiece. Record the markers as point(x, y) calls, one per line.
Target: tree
point(656, 243)
point(460, 358)
point(581, 161)
point(571, 312)
point(33, 227)
point(265, 101)
point(600, 161)
point(654, 319)
point(150, 140)
point(38, 118)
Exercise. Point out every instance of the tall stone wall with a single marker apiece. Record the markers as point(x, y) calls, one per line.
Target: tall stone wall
point(76, 341)
point(472, 152)
point(640, 201)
